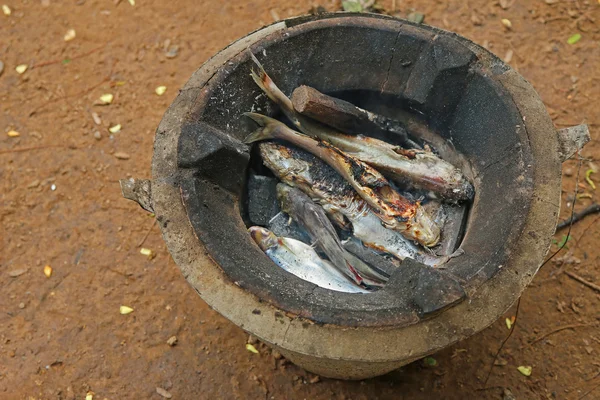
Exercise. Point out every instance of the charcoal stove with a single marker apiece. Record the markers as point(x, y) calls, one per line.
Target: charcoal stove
point(471, 99)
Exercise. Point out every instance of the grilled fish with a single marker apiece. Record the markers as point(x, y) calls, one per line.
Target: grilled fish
point(419, 169)
point(395, 211)
point(300, 259)
point(313, 219)
point(322, 184)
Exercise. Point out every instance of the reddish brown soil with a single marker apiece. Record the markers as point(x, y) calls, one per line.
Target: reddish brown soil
point(63, 336)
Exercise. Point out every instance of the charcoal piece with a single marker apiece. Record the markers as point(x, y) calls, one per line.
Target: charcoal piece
point(262, 199)
point(280, 226)
point(345, 116)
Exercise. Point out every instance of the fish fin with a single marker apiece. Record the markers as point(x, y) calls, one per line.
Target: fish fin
point(267, 127)
point(266, 84)
point(282, 244)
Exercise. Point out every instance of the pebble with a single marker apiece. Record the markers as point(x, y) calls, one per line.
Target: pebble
point(173, 51)
point(34, 184)
point(476, 20)
point(122, 156)
point(508, 395)
point(97, 135)
point(21, 305)
point(569, 171)
point(96, 118)
point(1, 67)
point(163, 393)
point(17, 272)
point(172, 341)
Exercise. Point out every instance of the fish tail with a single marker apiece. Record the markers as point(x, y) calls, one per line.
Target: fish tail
point(266, 84)
point(266, 130)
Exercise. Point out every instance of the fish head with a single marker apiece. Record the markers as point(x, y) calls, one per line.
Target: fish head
point(284, 196)
point(263, 237)
point(424, 229)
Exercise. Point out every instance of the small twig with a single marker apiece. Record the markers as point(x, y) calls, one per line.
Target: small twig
point(572, 212)
point(141, 243)
point(512, 329)
point(589, 391)
point(555, 19)
point(574, 124)
point(46, 63)
point(583, 281)
point(86, 91)
point(556, 330)
point(24, 149)
point(594, 208)
point(561, 267)
point(541, 266)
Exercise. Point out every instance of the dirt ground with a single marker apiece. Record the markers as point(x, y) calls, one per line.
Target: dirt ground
point(63, 336)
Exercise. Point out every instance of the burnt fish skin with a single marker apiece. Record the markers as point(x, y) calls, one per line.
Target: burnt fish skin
point(313, 219)
point(302, 260)
point(419, 169)
point(322, 184)
point(394, 210)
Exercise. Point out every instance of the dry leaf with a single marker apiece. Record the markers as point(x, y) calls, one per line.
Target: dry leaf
point(13, 133)
point(48, 271)
point(106, 99)
point(147, 252)
point(251, 348)
point(525, 370)
point(508, 323)
point(70, 35)
point(6, 10)
point(115, 128)
point(589, 180)
point(574, 39)
point(124, 310)
point(507, 23)
point(21, 68)
point(160, 90)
